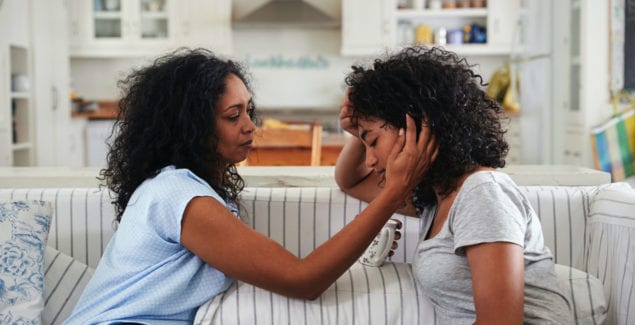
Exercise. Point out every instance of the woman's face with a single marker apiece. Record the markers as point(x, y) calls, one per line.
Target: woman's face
point(234, 127)
point(379, 138)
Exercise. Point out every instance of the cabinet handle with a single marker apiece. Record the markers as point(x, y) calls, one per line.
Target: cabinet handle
point(55, 97)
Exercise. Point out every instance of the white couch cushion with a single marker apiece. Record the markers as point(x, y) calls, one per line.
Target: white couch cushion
point(611, 253)
point(586, 294)
point(363, 295)
point(65, 280)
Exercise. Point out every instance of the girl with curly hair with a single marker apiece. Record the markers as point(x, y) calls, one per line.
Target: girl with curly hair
point(185, 121)
point(482, 258)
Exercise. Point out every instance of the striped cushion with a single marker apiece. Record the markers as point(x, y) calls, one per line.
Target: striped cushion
point(362, 295)
point(586, 294)
point(64, 281)
point(82, 221)
point(611, 253)
point(587, 236)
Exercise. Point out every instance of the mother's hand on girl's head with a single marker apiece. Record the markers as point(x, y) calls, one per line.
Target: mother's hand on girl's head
point(410, 159)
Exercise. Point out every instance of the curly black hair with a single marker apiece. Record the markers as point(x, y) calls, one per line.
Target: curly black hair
point(437, 85)
point(167, 118)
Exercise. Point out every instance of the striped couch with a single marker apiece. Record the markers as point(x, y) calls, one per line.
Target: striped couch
point(590, 230)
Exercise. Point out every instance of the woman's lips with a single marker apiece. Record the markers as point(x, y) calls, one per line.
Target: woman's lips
point(247, 144)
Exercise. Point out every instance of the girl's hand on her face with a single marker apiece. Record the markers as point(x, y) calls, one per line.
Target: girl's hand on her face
point(410, 159)
point(346, 116)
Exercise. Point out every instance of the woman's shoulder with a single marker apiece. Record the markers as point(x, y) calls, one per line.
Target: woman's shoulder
point(172, 180)
point(172, 176)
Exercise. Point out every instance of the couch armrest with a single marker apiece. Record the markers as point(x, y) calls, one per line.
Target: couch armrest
point(611, 254)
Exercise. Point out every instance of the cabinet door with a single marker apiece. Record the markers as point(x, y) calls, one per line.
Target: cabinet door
point(51, 83)
point(206, 24)
point(153, 20)
point(366, 26)
point(503, 28)
point(132, 28)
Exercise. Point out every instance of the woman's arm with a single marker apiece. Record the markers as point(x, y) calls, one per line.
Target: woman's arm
point(498, 282)
point(220, 239)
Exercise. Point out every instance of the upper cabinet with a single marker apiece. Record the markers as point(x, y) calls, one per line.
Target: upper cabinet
point(125, 28)
point(467, 27)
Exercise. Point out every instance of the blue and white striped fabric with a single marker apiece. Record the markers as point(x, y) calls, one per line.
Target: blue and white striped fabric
point(611, 250)
point(83, 219)
point(363, 295)
point(64, 279)
point(580, 225)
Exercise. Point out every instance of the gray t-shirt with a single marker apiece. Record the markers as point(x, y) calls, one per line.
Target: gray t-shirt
point(488, 208)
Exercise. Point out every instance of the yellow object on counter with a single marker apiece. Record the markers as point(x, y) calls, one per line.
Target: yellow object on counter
point(270, 123)
point(423, 34)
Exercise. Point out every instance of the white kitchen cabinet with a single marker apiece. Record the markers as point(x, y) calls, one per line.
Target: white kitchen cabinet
point(129, 28)
point(580, 77)
point(51, 86)
point(371, 26)
point(366, 26)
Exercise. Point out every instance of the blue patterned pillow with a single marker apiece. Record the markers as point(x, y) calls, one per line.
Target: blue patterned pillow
point(24, 228)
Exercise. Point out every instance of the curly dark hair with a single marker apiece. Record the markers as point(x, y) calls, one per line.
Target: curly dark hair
point(439, 86)
point(166, 118)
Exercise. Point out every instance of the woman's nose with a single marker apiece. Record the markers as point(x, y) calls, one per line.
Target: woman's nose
point(249, 126)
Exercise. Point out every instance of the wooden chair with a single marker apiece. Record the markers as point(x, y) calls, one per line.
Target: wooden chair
point(297, 145)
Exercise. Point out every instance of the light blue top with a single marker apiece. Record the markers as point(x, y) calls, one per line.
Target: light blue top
point(145, 275)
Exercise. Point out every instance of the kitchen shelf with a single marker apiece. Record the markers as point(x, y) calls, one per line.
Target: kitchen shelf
point(108, 15)
point(441, 13)
point(22, 146)
point(16, 117)
point(155, 15)
point(20, 95)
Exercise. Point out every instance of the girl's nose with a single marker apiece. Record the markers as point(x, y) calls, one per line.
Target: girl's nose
point(371, 160)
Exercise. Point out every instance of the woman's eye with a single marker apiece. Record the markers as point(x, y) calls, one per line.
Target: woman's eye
point(251, 111)
point(234, 117)
point(373, 143)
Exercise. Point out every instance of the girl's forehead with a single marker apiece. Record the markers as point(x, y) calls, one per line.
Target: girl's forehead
point(369, 122)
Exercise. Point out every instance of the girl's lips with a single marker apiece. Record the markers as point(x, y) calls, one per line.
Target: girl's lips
point(382, 175)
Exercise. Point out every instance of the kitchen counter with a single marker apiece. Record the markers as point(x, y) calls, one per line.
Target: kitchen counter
point(107, 110)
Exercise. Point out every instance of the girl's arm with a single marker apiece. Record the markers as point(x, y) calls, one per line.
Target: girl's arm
point(498, 282)
point(352, 175)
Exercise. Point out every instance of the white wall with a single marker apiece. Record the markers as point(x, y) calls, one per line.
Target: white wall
point(311, 75)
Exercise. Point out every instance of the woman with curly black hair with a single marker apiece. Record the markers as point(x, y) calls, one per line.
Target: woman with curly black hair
point(482, 258)
point(185, 121)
